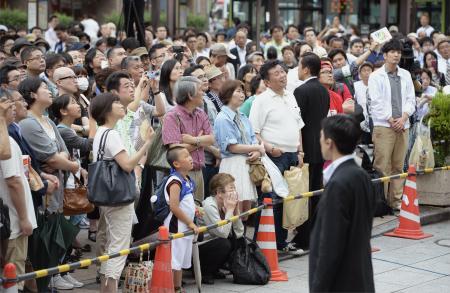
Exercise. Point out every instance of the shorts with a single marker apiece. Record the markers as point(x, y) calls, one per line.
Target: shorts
point(181, 253)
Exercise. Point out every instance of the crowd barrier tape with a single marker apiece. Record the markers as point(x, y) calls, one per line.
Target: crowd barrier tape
point(152, 245)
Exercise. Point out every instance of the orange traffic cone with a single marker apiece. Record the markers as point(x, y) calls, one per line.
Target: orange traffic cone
point(9, 272)
point(162, 278)
point(266, 241)
point(409, 218)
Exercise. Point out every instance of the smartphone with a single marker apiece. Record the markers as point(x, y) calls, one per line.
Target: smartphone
point(153, 74)
point(434, 63)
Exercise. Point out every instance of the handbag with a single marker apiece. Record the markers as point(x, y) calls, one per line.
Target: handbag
point(157, 151)
point(76, 201)
point(138, 277)
point(108, 183)
point(279, 185)
point(156, 155)
point(248, 264)
point(257, 171)
point(296, 212)
point(34, 180)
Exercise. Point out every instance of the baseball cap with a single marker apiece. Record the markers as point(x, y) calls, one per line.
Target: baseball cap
point(141, 51)
point(41, 41)
point(19, 44)
point(221, 50)
point(62, 73)
point(78, 46)
point(212, 72)
point(393, 28)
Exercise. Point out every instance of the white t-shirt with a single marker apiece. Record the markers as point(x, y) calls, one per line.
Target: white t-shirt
point(278, 119)
point(113, 145)
point(14, 168)
point(292, 80)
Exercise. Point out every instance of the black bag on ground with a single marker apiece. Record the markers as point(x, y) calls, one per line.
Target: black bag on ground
point(248, 265)
point(5, 223)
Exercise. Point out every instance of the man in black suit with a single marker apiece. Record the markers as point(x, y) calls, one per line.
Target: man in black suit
point(239, 51)
point(314, 102)
point(340, 255)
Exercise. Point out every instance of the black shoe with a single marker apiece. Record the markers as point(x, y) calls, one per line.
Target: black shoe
point(209, 280)
point(219, 275)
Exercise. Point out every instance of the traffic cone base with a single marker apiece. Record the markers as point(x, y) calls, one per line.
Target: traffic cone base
point(266, 240)
point(279, 276)
point(409, 217)
point(162, 276)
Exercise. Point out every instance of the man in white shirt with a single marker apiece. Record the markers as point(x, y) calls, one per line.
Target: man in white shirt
point(50, 34)
point(443, 53)
point(392, 102)
point(426, 29)
point(277, 41)
point(16, 194)
point(240, 50)
point(276, 120)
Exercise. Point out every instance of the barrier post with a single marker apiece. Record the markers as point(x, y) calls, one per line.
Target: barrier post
point(9, 272)
point(162, 278)
point(409, 218)
point(266, 240)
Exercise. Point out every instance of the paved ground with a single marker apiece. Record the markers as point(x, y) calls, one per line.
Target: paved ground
point(401, 265)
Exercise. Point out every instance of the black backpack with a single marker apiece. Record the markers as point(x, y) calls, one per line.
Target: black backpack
point(381, 206)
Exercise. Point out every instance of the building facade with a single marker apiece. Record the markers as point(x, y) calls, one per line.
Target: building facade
point(367, 15)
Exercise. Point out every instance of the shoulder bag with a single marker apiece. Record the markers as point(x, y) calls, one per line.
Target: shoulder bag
point(108, 183)
point(76, 201)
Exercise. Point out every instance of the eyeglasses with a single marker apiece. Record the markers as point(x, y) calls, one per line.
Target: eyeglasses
point(203, 76)
point(160, 56)
point(37, 58)
point(15, 78)
point(67, 77)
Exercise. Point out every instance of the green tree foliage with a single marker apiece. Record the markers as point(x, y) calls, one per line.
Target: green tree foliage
point(14, 18)
point(440, 127)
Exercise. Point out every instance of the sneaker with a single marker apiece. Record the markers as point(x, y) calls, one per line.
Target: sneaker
point(59, 283)
point(73, 281)
point(84, 223)
point(291, 249)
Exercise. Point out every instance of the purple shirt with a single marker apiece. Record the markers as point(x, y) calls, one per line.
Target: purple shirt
point(179, 121)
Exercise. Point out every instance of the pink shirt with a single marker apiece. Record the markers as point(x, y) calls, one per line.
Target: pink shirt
point(179, 121)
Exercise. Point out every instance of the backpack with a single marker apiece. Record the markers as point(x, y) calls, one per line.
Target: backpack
point(381, 206)
point(160, 206)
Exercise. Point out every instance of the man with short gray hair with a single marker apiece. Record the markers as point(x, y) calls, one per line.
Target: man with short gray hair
point(187, 125)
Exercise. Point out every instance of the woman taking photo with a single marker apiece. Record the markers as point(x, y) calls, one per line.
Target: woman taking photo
point(171, 71)
point(237, 142)
point(107, 110)
point(430, 62)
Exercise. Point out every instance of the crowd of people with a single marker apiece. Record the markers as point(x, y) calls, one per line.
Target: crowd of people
point(72, 95)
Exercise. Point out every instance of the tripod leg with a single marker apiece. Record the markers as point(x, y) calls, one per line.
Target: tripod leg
point(139, 6)
point(129, 17)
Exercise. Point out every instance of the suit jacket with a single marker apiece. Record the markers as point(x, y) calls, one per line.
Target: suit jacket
point(314, 102)
point(236, 62)
point(340, 254)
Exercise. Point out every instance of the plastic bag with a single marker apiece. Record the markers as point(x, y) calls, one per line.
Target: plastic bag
point(296, 212)
point(248, 265)
point(279, 185)
point(422, 155)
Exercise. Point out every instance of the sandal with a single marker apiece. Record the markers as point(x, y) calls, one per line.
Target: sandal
point(180, 290)
point(92, 235)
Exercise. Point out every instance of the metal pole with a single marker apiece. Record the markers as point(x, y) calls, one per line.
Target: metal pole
point(155, 14)
point(258, 23)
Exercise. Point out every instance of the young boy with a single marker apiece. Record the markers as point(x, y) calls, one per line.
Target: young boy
point(179, 193)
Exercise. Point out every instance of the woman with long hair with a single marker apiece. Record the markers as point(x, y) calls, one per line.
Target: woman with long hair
point(171, 71)
point(430, 62)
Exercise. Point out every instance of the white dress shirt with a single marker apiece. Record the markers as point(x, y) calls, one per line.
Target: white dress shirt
point(328, 171)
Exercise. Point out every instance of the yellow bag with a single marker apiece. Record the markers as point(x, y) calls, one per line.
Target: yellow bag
point(296, 212)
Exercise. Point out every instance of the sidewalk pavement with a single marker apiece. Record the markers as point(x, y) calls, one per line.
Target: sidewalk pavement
point(402, 265)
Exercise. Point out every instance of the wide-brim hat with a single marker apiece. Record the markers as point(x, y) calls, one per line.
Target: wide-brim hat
point(19, 44)
point(221, 50)
point(212, 72)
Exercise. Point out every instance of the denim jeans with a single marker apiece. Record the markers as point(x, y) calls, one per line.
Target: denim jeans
point(283, 162)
